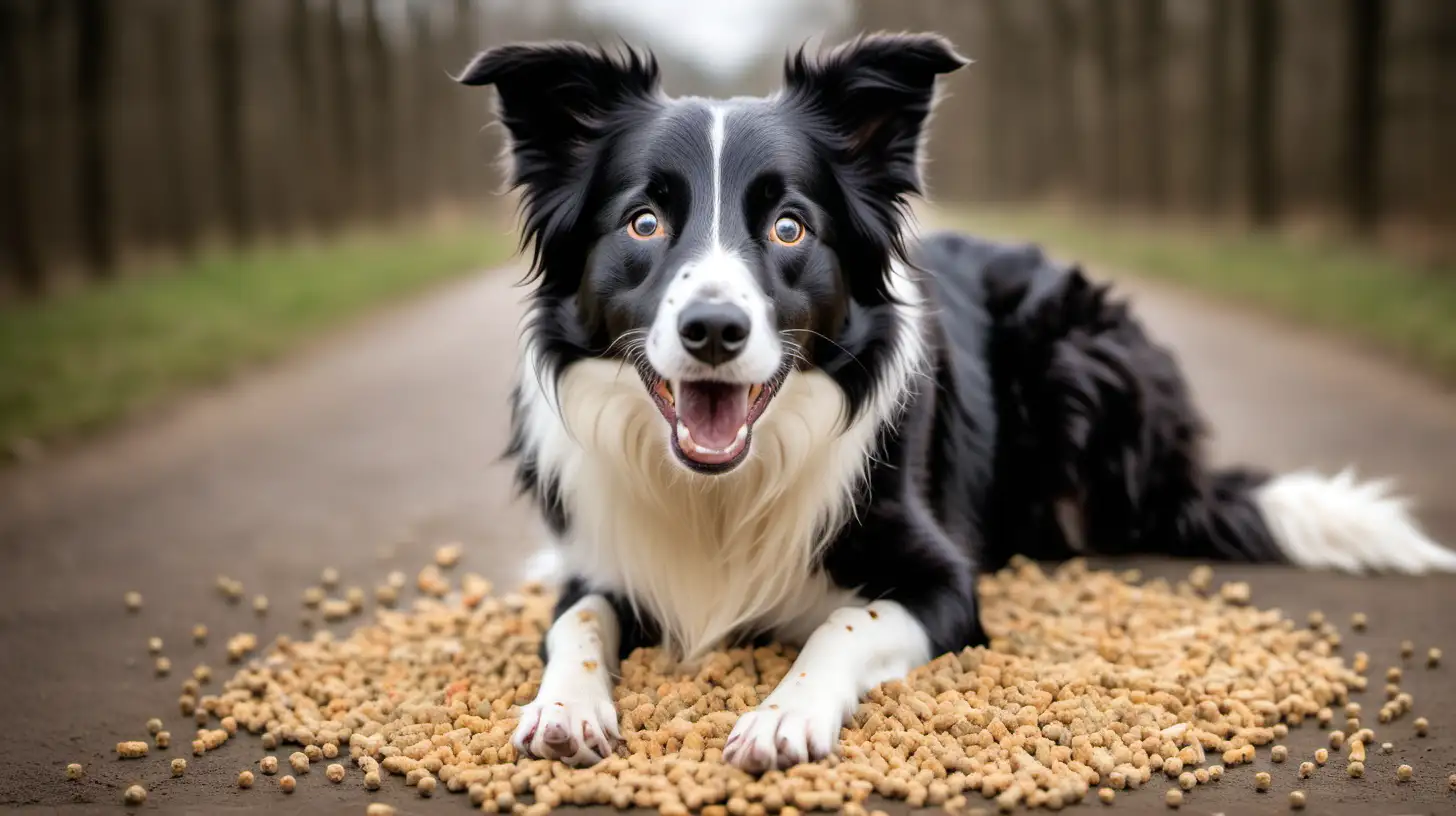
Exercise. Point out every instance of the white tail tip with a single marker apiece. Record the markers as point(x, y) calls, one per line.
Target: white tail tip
point(1322, 522)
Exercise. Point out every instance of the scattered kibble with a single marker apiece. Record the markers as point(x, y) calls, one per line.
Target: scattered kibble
point(448, 555)
point(245, 779)
point(199, 634)
point(1337, 739)
point(1279, 753)
point(1393, 674)
point(154, 726)
point(1357, 751)
point(198, 747)
point(335, 609)
point(313, 596)
point(1407, 649)
point(1321, 756)
point(1106, 796)
point(74, 771)
point(461, 661)
point(268, 765)
point(1366, 736)
point(241, 645)
point(1262, 781)
point(132, 749)
point(260, 604)
point(1433, 658)
point(154, 645)
point(299, 762)
point(1387, 748)
point(397, 579)
point(134, 604)
point(1404, 773)
point(329, 577)
point(135, 795)
point(1451, 782)
point(202, 674)
point(179, 766)
point(1296, 800)
point(231, 588)
point(1306, 770)
point(1316, 619)
point(164, 739)
point(1174, 797)
point(1235, 592)
point(287, 783)
point(1423, 726)
point(1359, 621)
point(335, 773)
point(1355, 770)
point(354, 596)
point(386, 596)
point(162, 667)
point(379, 809)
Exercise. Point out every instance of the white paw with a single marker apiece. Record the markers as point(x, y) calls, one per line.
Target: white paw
point(579, 732)
point(779, 736)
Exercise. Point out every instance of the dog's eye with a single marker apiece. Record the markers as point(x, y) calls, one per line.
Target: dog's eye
point(645, 225)
point(787, 231)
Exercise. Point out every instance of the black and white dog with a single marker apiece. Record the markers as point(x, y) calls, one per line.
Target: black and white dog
point(752, 405)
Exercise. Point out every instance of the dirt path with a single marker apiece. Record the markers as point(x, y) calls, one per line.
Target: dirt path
point(368, 451)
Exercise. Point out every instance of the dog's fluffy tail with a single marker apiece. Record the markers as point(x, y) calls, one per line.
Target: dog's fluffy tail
point(1339, 522)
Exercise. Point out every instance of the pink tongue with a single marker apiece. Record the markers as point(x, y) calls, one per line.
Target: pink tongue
point(713, 412)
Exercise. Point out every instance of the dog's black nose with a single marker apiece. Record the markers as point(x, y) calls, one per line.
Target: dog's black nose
point(713, 331)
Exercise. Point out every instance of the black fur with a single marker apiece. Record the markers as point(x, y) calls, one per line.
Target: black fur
point(1043, 388)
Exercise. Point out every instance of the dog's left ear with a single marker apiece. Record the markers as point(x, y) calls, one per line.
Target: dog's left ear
point(876, 92)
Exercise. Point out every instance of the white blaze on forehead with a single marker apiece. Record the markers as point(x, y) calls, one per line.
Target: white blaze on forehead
point(718, 274)
point(716, 136)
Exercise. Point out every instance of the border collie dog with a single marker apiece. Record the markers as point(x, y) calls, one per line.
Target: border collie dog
point(752, 405)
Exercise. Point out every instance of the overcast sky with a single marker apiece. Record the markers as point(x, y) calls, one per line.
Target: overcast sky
point(724, 37)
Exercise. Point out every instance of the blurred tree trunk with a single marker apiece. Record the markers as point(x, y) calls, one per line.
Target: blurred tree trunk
point(1262, 98)
point(1065, 142)
point(1152, 34)
point(227, 69)
point(93, 98)
point(312, 167)
point(420, 146)
point(1365, 25)
point(382, 107)
point(1218, 107)
point(17, 239)
point(1104, 21)
point(345, 179)
point(171, 129)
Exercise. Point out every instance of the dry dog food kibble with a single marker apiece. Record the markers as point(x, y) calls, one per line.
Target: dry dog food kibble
point(74, 771)
point(379, 809)
point(268, 765)
point(135, 795)
point(133, 749)
point(1404, 773)
point(287, 784)
point(1296, 800)
point(1355, 770)
point(1433, 658)
point(335, 773)
point(1089, 681)
point(1262, 781)
point(245, 779)
point(1306, 770)
point(1423, 726)
point(179, 766)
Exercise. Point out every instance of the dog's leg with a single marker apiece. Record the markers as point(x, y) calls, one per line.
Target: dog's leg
point(856, 649)
point(573, 718)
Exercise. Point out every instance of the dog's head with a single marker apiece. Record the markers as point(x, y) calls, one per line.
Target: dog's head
point(716, 245)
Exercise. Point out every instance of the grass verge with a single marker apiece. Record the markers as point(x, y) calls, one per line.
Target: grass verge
point(1402, 309)
point(82, 360)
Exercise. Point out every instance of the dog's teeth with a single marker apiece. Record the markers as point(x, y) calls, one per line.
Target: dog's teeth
point(684, 437)
point(753, 392)
point(742, 434)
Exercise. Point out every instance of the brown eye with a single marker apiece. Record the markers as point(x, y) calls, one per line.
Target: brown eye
point(788, 231)
point(644, 225)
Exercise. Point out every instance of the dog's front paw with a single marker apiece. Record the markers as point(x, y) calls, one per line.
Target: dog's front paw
point(579, 732)
point(779, 736)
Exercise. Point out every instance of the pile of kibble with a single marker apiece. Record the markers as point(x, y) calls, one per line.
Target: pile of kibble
point(1094, 682)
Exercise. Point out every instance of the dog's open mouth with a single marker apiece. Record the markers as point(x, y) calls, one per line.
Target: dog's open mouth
point(711, 422)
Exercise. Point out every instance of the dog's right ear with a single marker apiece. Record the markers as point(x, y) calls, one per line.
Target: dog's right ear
point(554, 97)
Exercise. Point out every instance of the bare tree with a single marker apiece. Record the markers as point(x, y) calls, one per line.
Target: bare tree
point(1217, 105)
point(17, 234)
point(1104, 22)
point(1365, 25)
point(229, 118)
point(383, 109)
point(93, 81)
point(1262, 98)
point(1152, 36)
point(180, 220)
